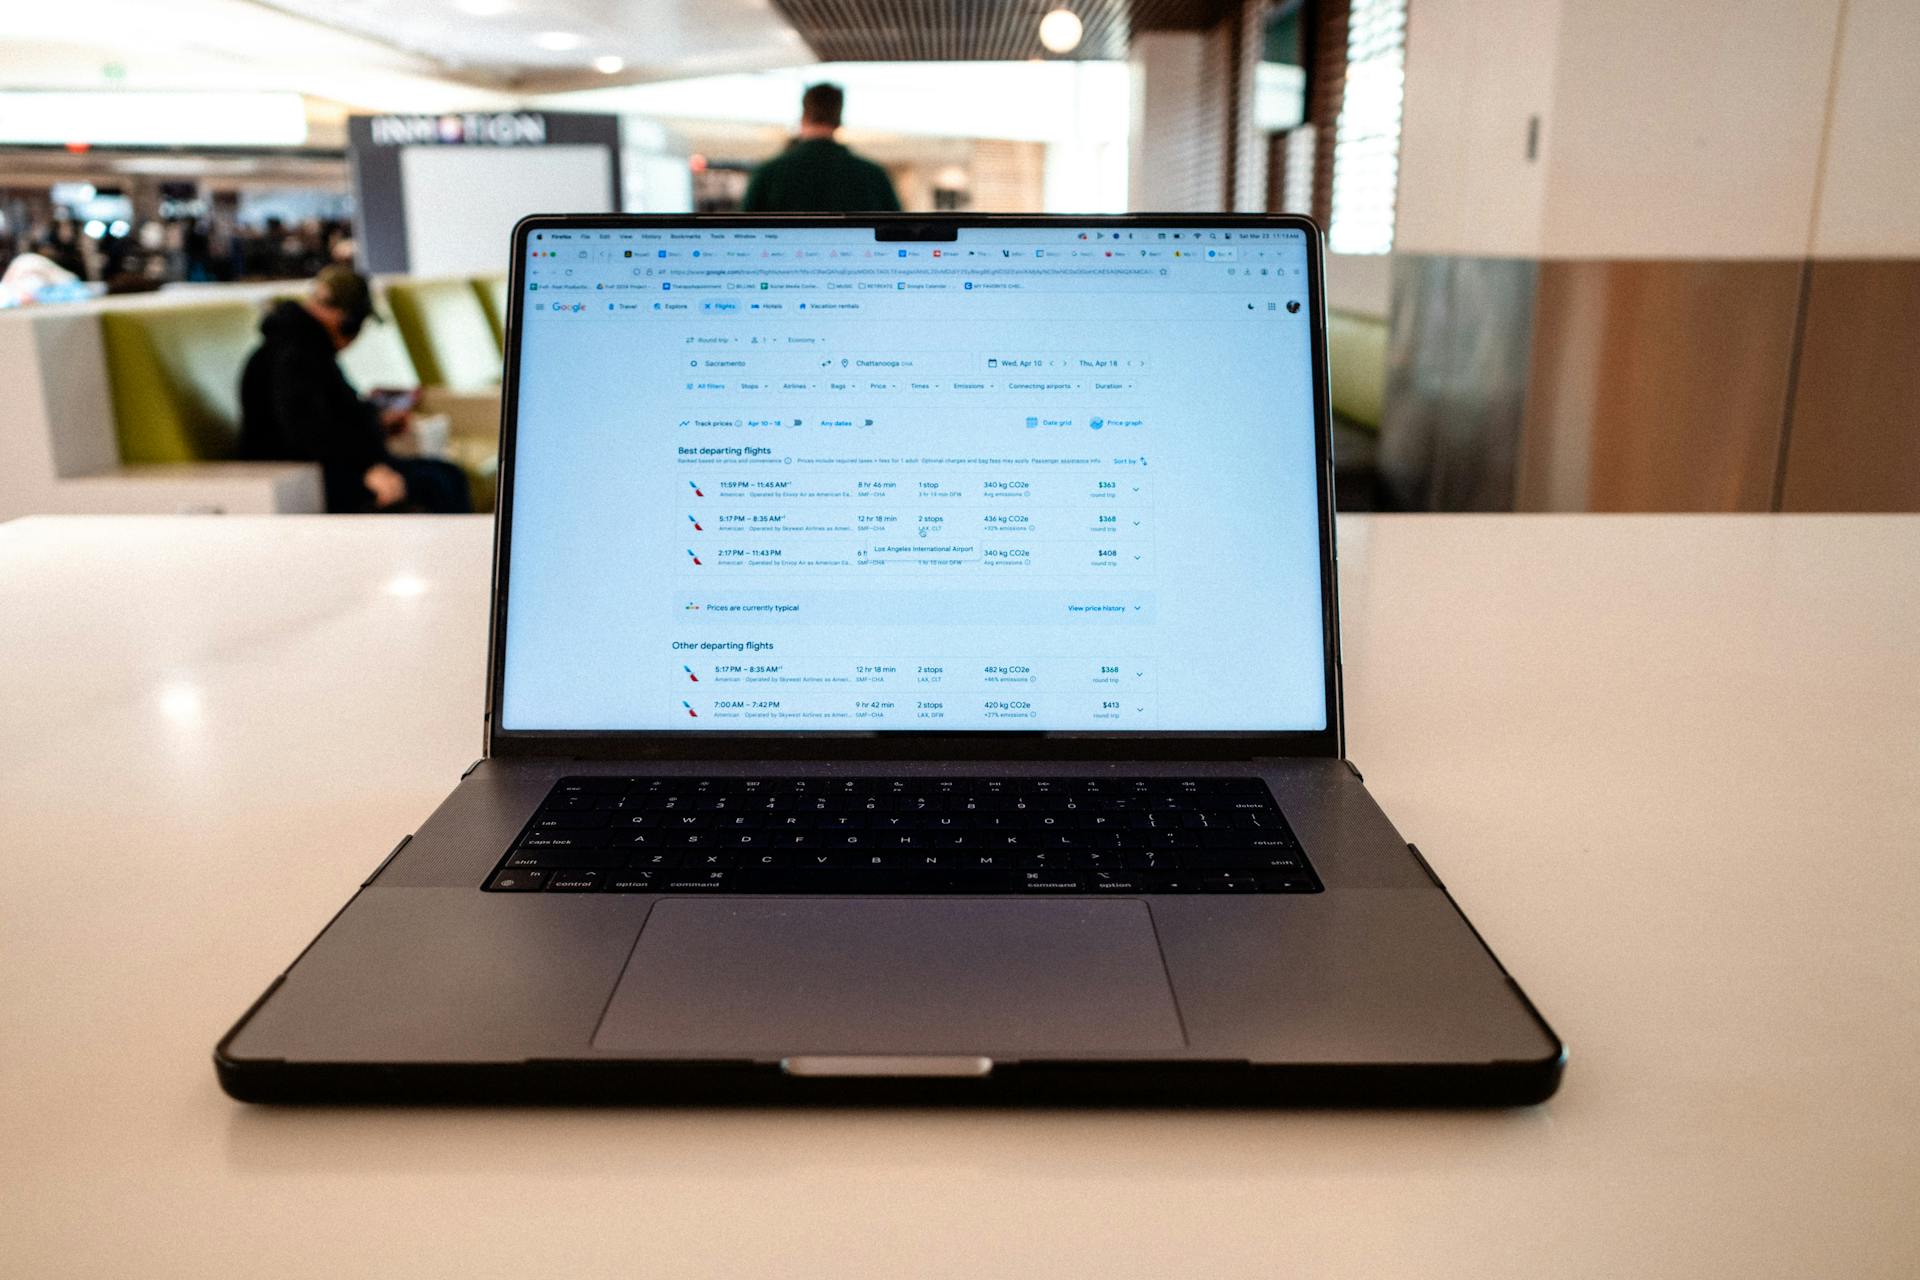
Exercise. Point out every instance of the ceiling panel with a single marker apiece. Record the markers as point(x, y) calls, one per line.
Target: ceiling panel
point(965, 30)
point(548, 44)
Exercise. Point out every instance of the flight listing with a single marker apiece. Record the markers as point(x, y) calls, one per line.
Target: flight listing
point(1032, 479)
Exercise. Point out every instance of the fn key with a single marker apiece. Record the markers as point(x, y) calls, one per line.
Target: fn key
point(518, 880)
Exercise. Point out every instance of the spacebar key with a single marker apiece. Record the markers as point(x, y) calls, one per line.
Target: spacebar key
point(976, 882)
point(877, 882)
point(827, 880)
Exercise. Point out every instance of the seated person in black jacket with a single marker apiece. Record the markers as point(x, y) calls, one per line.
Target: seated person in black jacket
point(296, 406)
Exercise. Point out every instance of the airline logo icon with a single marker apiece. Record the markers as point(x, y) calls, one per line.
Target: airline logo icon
point(690, 711)
point(689, 670)
point(695, 524)
point(691, 556)
point(696, 489)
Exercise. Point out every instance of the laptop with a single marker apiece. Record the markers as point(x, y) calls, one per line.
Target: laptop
point(914, 675)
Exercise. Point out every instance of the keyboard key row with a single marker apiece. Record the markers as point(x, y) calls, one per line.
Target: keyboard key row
point(827, 817)
point(908, 839)
point(749, 880)
point(975, 859)
point(1104, 786)
point(591, 811)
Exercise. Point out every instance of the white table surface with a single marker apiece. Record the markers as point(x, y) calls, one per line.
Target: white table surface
point(1668, 765)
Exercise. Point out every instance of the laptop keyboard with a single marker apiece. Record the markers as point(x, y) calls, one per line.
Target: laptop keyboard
point(907, 835)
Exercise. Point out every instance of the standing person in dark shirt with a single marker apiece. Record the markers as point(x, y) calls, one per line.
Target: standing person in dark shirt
point(296, 406)
point(816, 174)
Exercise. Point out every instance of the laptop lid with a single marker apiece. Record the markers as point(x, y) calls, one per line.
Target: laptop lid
point(948, 487)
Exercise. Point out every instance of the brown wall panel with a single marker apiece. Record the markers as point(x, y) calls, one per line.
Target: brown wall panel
point(1855, 438)
point(1556, 438)
point(1658, 386)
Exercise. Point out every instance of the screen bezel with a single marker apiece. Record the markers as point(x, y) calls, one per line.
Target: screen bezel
point(914, 744)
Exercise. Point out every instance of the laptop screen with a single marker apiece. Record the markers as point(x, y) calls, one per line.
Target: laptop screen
point(1036, 478)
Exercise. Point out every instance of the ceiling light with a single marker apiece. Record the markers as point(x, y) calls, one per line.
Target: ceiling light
point(1060, 31)
point(181, 703)
point(483, 8)
point(559, 41)
point(608, 65)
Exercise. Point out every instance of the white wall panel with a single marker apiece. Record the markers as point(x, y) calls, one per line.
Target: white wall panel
point(1476, 71)
point(1430, 206)
point(1870, 191)
point(1687, 130)
point(1505, 188)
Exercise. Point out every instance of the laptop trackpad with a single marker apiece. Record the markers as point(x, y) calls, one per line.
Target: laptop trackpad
point(769, 977)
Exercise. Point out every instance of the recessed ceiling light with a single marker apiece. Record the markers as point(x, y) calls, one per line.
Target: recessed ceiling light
point(182, 704)
point(483, 8)
point(608, 65)
point(559, 41)
point(1060, 31)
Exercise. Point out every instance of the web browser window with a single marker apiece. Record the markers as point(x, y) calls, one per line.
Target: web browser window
point(799, 479)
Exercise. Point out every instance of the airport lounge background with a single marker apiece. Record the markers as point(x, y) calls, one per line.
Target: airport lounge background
point(1632, 256)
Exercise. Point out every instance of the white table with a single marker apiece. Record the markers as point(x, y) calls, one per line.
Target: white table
point(1668, 765)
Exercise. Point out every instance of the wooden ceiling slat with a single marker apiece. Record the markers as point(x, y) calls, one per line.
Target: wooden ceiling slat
point(980, 30)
